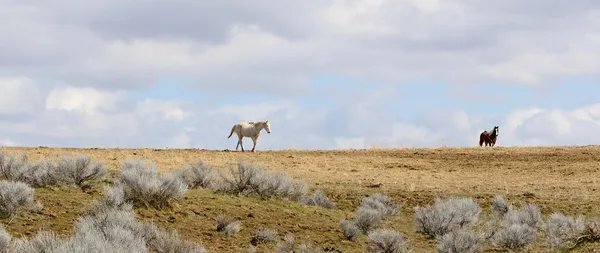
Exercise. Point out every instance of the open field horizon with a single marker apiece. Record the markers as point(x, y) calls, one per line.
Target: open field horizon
point(557, 179)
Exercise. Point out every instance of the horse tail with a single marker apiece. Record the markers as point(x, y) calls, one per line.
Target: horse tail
point(481, 140)
point(232, 130)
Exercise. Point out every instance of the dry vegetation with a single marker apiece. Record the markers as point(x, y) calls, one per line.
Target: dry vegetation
point(554, 179)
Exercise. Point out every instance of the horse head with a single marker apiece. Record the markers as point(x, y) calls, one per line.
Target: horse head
point(268, 126)
point(496, 130)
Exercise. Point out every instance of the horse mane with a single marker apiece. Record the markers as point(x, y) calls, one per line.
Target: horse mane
point(492, 133)
point(257, 122)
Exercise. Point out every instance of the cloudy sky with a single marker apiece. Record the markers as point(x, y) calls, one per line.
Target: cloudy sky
point(326, 73)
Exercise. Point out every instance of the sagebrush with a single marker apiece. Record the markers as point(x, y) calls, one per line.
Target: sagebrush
point(387, 241)
point(446, 215)
point(14, 196)
point(518, 227)
point(143, 184)
point(460, 241)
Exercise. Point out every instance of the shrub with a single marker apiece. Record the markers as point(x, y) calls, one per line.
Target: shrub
point(297, 191)
point(499, 206)
point(79, 170)
point(460, 241)
point(42, 241)
point(228, 225)
point(272, 184)
point(248, 179)
point(592, 230)
point(319, 199)
point(114, 198)
point(388, 241)
point(5, 239)
point(307, 248)
point(515, 236)
point(121, 228)
point(13, 197)
point(109, 230)
point(289, 246)
point(561, 229)
point(518, 228)
point(381, 203)
point(350, 230)
point(142, 183)
point(167, 243)
point(263, 236)
point(200, 175)
point(243, 180)
point(367, 219)
point(42, 173)
point(528, 214)
point(12, 168)
point(446, 215)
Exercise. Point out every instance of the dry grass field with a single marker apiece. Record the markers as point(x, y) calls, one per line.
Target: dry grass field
point(563, 179)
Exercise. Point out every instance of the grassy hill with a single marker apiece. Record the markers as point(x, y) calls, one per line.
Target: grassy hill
point(555, 179)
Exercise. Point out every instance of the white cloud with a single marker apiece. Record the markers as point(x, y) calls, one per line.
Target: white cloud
point(18, 95)
point(350, 143)
point(169, 110)
point(180, 140)
point(253, 112)
point(82, 100)
point(8, 143)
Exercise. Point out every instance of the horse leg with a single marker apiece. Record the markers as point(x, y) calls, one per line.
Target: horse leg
point(254, 139)
point(240, 143)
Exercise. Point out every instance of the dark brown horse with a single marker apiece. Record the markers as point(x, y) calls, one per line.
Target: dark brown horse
point(489, 138)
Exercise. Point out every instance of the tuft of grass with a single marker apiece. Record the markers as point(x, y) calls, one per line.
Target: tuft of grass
point(287, 245)
point(446, 215)
point(263, 236)
point(228, 225)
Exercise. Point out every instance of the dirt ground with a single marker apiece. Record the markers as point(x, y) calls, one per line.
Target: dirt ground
point(565, 179)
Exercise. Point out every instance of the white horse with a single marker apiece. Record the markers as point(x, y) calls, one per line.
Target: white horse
point(251, 130)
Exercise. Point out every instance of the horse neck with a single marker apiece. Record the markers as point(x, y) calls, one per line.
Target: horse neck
point(493, 133)
point(259, 126)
